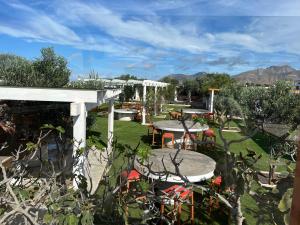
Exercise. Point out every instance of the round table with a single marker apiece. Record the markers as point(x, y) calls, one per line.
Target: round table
point(178, 128)
point(194, 111)
point(193, 165)
point(125, 114)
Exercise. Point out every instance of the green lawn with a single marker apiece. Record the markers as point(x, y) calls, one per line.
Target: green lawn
point(133, 133)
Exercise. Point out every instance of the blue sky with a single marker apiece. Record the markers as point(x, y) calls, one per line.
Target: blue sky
point(154, 38)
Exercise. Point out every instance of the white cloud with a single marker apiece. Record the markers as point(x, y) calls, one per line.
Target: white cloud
point(154, 32)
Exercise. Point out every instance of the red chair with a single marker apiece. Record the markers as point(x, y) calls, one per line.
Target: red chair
point(209, 137)
point(130, 177)
point(189, 141)
point(167, 136)
point(177, 195)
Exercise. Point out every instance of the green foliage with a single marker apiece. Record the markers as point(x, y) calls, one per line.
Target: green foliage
point(95, 141)
point(285, 204)
point(50, 70)
point(68, 209)
point(127, 77)
point(143, 153)
point(214, 80)
point(16, 71)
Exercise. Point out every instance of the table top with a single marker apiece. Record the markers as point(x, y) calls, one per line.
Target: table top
point(177, 126)
point(193, 165)
point(195, 111)
point(125, 110)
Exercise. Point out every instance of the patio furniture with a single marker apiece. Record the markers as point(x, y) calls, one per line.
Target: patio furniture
point(177, 195)
point(167, 135)
point(178, 128)
point(190, 113)
point(129, 177)
point(189, 142)
point(194, 166)
point(209, 137)
point(175, 115)
point(125, 114)
point(152, 131)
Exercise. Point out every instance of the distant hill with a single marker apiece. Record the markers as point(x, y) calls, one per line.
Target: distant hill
point(268, 75)
point(181, 77)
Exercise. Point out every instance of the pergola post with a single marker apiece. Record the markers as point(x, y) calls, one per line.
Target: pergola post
point(110, 128)
point(144, 104)
point(155, 100)
point(175, 94)
point(212, 100)
point(295, 208)
point(79, 113)
point(137, 95)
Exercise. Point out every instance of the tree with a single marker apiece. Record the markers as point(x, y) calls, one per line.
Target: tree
point(213, 80)
point(51, 70)
point(16, 71)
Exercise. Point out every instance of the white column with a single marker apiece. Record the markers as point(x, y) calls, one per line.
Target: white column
point(137, 95)
point(144, 105)
point(155, 100)
point(110, 128)
point(212, 101)
point(79, 113)
point(175, 94)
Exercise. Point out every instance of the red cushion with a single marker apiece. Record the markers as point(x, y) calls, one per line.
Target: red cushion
point(132, 175)
point(176, 189)
point(168, 135)
point(217, 181)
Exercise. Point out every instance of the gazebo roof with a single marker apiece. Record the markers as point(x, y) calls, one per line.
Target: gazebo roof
point(57, 94)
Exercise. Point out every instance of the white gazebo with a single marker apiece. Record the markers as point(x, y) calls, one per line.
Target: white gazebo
point(81, 101)
point(117, 83)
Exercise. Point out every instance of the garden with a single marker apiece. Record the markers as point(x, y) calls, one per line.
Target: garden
point(231, 163)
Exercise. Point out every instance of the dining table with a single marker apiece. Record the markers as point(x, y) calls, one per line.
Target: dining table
point(176, 166)
point(178, 128)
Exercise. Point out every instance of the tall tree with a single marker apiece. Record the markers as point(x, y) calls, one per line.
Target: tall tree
point(51, 70)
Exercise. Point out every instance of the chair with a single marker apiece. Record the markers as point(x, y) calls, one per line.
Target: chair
point(177, 195)
point(189, 142)
point(209, 137)
point(175, 115)
point(216, 186)
point(152, 131)
point(194, 116)
point(129, 177)
point(167, 135)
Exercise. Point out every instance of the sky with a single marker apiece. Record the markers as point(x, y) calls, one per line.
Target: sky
point(151, 39)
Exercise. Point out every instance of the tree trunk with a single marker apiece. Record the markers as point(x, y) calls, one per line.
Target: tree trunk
point(239, 213)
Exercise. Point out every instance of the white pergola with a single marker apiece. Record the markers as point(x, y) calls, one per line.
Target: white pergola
point(81, 101)
point(117, 83)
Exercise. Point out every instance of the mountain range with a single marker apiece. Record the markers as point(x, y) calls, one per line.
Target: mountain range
point(267, 75)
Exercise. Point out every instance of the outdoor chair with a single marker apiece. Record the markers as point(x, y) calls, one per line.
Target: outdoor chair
point(216, 186)
point(209, 137)
point(189, 142)
point(176, 196)
point(167, 135)
point(152, 131)
point(175, 115)
point(129, 177)
point(194, 116)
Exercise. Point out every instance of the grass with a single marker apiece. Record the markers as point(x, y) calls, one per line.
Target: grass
point(133, 133)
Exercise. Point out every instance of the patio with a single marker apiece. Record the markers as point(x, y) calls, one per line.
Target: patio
point(138, 134)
